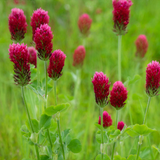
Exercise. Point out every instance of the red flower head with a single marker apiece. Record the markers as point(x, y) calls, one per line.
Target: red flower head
point(153, 78)
point(39, 17)
point(78, 56)
point(32, 56)
point(118, 95)
point(17, 24)
point(43, 39)
point(101, 88)
point(56, 63)
point(107, 121)
point(18, 54)
point(120, 125)
point(141, 45)
point(121, 15)
point(84, 23)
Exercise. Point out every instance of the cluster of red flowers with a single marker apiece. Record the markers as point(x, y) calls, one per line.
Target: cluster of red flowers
point(32, 56)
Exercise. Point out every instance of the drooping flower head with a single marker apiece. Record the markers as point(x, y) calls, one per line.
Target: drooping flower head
point(18, 54)
point(17, 24)
point(32, 56)
point(152, 78)
point(107, 121)
point(56, 63)
point(121, 15)
point(118, 95)
point(101, 88)
point(84, 23)
point(39, 17)
point(120, 125)
point(78, 56)
point(43, 39)
point(141, 45)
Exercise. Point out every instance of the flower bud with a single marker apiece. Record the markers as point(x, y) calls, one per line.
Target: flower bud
point(56, 63)
point(120, 125)
point(153, 78)
point(101, 88)
point(78, 56)
point(17, 24)
point(118, 95)
point(121, 15)
point(107, 121)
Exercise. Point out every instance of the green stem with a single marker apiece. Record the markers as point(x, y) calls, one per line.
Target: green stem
point(116, 117)
point(30, 122)
point(45, 106)
point(119, 57)
point(58, 124)
point(101, 112)
point(144, 120)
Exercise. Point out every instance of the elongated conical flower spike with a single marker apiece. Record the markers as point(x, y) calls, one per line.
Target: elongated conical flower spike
point(32, 56)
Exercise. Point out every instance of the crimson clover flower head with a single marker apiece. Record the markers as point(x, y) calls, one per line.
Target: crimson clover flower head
point(118, 95)
point(141, 45)
point(152, 78)
point(43, 39)
point(120, 125)
point(32, 56)
point(56, 63)
point(101, 88)
point(17, 24)
point(84, 23)
point(18, 54)
point(78, 56)
point(107, 121)
point(121, 15)
point(39, 17)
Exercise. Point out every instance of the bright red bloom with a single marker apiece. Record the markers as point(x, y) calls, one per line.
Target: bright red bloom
point(78, 56)
point(39, 17)
point(141, 45)
point(32, 56)
point(101, 88)
point(153, 78)
point(120, 125)
point(84, 23)
point(121, 15)
point(107, 121)
point(17, 24)
point(18, 54)
point(56, 63)
point(43, 39)
point(118, 95)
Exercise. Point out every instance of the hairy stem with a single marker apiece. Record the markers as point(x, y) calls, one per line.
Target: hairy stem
point(101, 113)
point(119, 57)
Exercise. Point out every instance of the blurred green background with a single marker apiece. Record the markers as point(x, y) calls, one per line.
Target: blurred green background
point(101, 55)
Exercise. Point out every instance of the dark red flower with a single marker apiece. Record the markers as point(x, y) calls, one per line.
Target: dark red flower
point(78, 56)
point(43, 39)
point(18, 54)
point(32, 56)
point(56, 63)
point(84, 23)
point(141, 45)
point(17, 24)
point(101, 88)
point(120, 125)
point(121, 15)
point(118, 95)
point(107, 121)
point(153, 78)
point(39, 17)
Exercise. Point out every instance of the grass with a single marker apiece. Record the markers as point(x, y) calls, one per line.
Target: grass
point(101, 55)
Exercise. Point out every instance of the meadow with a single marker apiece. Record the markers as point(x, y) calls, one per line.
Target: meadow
point(101, 55)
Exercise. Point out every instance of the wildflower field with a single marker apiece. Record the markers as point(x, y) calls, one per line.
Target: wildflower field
point(66, 66)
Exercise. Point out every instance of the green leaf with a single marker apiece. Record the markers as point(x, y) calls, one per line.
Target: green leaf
point(55, 109)
point(45, 121)
point(105, 157)
point(25, 132)
point(98, 125)
point(115, 134)
point(133, 157)
point(157, 149)
point(138, 130)
point(53, 126)
point(64, 134)
point(99, 138)
point(44, 157)
point(118, 157)
point(75, 146)
point(34, 137)
point(35, 124)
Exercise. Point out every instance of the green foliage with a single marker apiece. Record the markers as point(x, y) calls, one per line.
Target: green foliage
point(105, 157)
point(75, 146)
point(45, 121)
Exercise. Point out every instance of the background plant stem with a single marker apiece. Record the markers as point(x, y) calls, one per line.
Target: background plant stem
point(119, 57)
point(29, 118)
point(101, 113)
